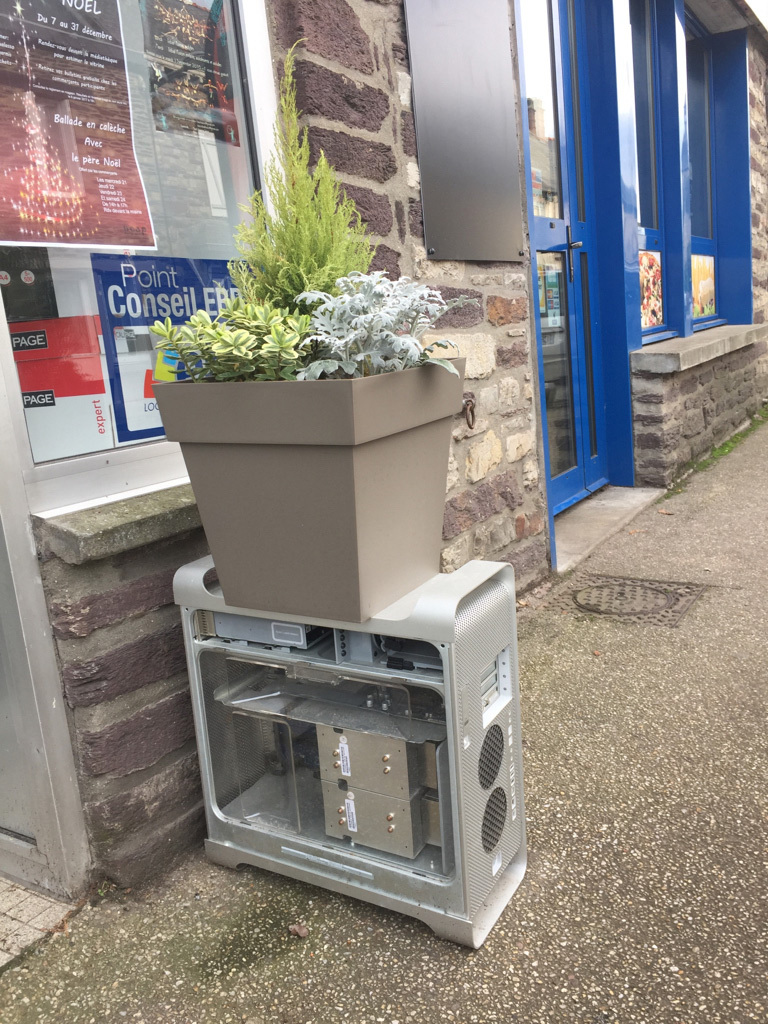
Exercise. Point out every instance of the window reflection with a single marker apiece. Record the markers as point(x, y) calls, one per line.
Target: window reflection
point(542, 112)
point(558, 373)
point(699, 141)
point(642, 59)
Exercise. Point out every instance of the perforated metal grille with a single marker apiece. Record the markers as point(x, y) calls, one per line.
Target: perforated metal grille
point(494, 819)
point(484, 622)
point(491, 757)
point(485, 626)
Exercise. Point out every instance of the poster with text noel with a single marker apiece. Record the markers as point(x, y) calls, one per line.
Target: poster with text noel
point(68, 171)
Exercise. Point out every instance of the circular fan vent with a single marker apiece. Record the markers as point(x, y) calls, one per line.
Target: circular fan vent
point(491, 756)
point(494, 818)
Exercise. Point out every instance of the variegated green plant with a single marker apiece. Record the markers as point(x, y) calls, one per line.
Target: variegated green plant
point(245, 341)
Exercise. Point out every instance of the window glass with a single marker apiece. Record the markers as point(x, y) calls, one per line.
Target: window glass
point(558, 369)
point(578, 143)
point(699, 141)
point(642, 59)
point(543, 128)
point(125, 164)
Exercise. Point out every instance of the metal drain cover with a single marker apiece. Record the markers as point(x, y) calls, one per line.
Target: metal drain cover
point(623, 597)
point(650, 602)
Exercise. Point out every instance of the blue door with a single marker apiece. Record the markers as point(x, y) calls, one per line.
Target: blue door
point(562, 239)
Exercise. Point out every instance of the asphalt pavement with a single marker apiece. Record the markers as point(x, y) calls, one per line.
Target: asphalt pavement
point(646, 777)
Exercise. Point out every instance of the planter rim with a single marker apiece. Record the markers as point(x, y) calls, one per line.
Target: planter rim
point(325, 412)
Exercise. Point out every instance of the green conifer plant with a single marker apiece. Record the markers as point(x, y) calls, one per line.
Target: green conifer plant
point(313, 234)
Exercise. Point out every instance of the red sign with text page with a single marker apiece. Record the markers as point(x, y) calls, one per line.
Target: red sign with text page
point(61, 374)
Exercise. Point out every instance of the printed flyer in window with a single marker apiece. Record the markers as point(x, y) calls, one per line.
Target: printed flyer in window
point(68, 171)
point(703, 281)
point(651, 299)
point(133, 292)
point(62, 379)
point(188, 51)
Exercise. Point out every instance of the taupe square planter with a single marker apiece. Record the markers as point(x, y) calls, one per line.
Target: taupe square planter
point(319, 498)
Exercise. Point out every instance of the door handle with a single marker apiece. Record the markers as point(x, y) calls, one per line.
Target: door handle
point(570, 246)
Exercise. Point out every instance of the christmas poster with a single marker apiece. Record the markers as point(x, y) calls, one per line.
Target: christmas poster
point(188, 50)
point(68, 171)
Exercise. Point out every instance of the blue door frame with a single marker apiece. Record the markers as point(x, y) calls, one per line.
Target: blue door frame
point(605, 57)
point(564, 257)
point(608, 234)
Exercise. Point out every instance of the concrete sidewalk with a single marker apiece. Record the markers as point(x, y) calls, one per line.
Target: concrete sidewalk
point(646, 786)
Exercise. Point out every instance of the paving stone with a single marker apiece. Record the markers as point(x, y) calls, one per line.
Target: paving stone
point(50, 917)
point(23, 935)
point(29, 908)
point(11, 898)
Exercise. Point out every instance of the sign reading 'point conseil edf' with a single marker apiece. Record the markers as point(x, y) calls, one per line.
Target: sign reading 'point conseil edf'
point(133, 292)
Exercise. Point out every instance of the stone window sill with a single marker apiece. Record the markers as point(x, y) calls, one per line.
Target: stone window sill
point(107, 530)
point(678, 354)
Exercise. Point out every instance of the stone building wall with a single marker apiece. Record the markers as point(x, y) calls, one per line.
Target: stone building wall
point(108, 577)
point(354, 88)
point(680, 415)
point(758, 112)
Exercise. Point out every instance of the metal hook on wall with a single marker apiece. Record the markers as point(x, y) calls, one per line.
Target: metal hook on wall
point(469, 412)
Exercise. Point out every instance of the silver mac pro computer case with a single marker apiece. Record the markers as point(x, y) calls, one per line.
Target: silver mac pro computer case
point(379, 759)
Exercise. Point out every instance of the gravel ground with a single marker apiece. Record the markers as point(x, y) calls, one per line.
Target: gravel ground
point(646, 789)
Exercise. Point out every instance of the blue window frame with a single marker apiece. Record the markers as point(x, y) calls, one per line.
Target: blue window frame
point(691, 133)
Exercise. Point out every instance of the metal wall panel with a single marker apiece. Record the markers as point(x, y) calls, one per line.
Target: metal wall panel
point(16, 814)
point(464, 105)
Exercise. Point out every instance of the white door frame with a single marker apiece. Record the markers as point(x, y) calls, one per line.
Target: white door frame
point(59, 860)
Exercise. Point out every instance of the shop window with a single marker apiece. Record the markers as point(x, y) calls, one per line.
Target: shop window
point(647, 129)
point(645, 116)
point(700, 140)
point(692, 187)
point(543, 127)
point(126, 156)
